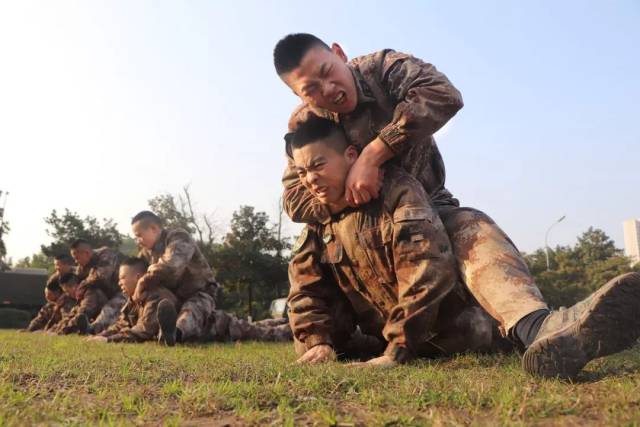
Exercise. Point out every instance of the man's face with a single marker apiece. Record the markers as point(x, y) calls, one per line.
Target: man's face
point(82, 255)
point(324, 80)
point(51, 296)
point(70, 289)
point(146, 237)
point(128, 279)
point(61, 267)
point(323, 170)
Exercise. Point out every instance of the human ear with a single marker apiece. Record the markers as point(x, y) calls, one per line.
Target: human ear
point(351, 154)
point(337, 49)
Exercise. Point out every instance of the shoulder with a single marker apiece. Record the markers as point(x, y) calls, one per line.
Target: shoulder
point(378, 62)
point(174, 234)
point(400, 189)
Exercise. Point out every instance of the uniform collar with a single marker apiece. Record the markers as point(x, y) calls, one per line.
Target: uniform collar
point(158, 248)
point(365, 94)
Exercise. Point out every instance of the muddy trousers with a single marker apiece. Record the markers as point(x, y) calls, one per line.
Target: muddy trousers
point(491, 267)
point(227, 327)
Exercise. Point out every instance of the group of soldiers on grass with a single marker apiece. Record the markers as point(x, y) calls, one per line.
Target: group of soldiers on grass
point(389, 266)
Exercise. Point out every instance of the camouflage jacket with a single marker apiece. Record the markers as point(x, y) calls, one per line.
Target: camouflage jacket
point(61, 310)
point(42, 318)
point(392, 260)
point(101, 272)
point(175, 263)
point(403, 101)
point(138, 322)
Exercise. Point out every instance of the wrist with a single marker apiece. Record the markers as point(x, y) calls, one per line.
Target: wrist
point(376, 153)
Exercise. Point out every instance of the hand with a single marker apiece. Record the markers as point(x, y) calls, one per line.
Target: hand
point(363, 182)
point(318, 354)
point(378, 362)
point(97, 338)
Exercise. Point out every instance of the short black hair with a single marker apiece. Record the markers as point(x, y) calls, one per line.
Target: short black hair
point(68, 278)
point(147, 217)
point(64, 258)
point(316, 129)
point(139, 264)
point(80, 242)
point(290, 50)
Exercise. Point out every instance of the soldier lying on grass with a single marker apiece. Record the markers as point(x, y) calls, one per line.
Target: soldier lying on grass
point(388, 268)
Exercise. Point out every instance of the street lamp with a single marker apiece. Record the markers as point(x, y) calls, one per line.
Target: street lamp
point(546, 238)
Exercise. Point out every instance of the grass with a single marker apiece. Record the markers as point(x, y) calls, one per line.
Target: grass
point(65, 380)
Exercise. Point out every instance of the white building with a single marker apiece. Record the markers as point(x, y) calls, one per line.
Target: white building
point(632, 239)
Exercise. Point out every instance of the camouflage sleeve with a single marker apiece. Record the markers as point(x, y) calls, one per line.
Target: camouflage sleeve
point(42, 318)
point(102, 273)
point(425, 100)
point(171, 265)
point(310, 293)
point(299, 203)
point(90, 306)
point(145, 329)
point(116, 328)
point(424, 265)
point(62, 310)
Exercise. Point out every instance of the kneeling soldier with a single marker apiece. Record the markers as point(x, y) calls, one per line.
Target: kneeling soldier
point(388, 268)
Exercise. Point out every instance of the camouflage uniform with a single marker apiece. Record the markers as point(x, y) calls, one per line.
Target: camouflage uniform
point(99, 283)
point(46, 311)
point(404, 101)
point(388, 268)
point(109, 313)
point(63, 306)
point(138, 322)
point(177, 264)
point(42, 318)
point(227, 327)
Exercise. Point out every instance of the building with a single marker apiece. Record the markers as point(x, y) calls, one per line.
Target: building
point(632, 239)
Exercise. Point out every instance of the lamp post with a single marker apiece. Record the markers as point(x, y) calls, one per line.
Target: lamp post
point(546, 239)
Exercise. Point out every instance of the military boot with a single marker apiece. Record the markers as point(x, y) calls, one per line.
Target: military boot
point(606, 322)
point(82, 322)
point(167, 317)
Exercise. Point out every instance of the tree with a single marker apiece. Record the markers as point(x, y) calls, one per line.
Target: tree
point(66, 228)
point(4, 229)
point(249, 264)
point(579, 270)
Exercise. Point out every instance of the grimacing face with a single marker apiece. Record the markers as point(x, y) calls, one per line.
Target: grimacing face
point(82, 255)
point(146, 237)
point(128, 279)
point(324, 80)
point(323, 170)
point(61, 267)
point(70, 289)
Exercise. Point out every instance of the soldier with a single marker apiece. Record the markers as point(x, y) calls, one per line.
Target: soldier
point(65, 304)
point(388, 267)
point(52, 292)
point(177, 264)
point(137, 322)
point(98, 274)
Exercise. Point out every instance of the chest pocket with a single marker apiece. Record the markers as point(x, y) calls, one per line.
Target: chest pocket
point(376, 244)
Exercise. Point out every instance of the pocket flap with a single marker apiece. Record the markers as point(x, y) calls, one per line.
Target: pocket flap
point(332, 253)
point(413, 213)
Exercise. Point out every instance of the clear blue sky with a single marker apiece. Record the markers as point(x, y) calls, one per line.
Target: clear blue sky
point(105, 104)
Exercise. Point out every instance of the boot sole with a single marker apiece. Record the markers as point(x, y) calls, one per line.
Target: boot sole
point(610, 324)
point(167, 318)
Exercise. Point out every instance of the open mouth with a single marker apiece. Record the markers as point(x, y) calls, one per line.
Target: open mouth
point(320, 191)
point(340, 98)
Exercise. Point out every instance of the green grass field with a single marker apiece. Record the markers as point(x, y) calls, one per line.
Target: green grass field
point(65, 380)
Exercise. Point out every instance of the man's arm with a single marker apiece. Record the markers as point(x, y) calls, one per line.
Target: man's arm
point(310, 293)
point(42, 318)
point(145, 329)
point(425, 100)
point(169, 268)
point(101, 275)
point(424, 265)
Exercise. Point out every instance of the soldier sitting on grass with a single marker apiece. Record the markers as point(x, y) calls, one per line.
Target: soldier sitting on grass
point(177, 264)
point(98, 274)
point(388, 267)
point(63, 264)
point(138, 322)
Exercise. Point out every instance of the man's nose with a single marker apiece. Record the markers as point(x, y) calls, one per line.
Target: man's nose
point(327, 89)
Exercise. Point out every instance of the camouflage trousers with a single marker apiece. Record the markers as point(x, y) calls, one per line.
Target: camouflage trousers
point(90, 305)
point(193, 316)
point(109, 313)
point(227, 327)
point(461, 326)
point(491, 267)
point(42, 318)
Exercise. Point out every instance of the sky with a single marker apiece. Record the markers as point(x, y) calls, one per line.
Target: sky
point(106, 104)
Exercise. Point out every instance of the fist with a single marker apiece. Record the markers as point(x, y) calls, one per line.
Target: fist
point(319, 354)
